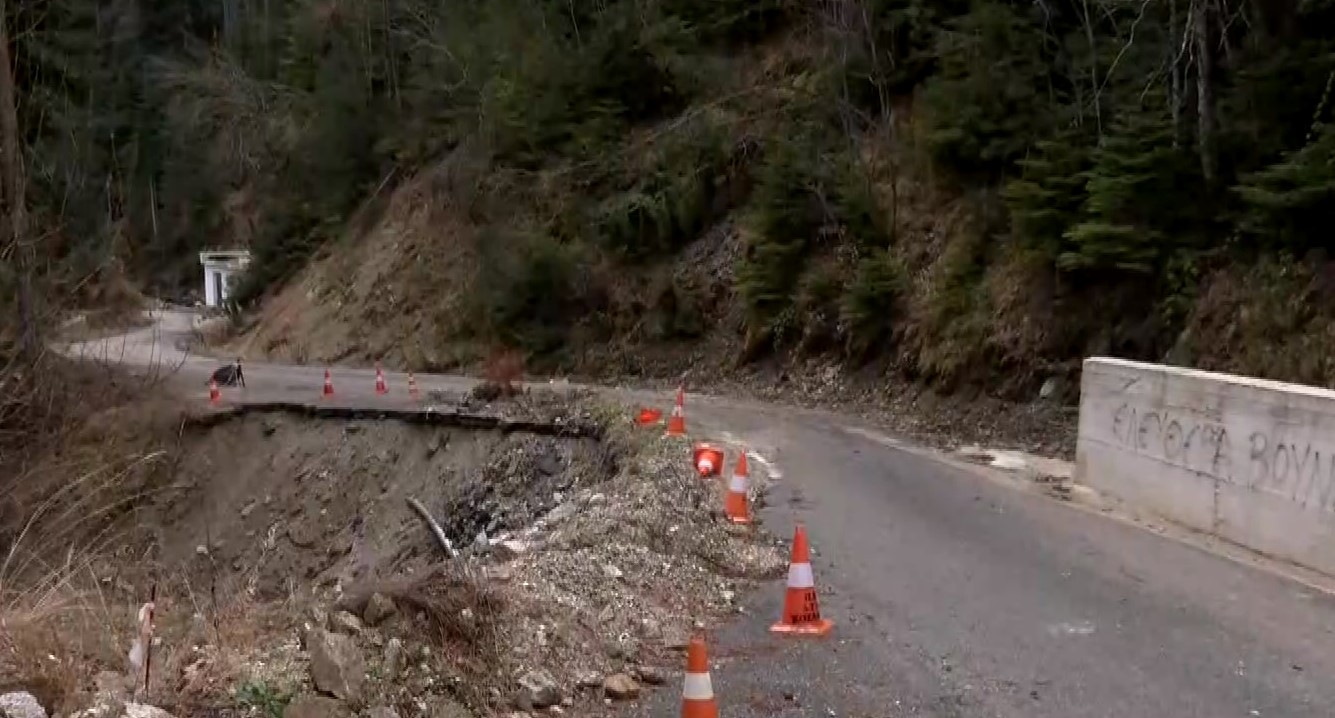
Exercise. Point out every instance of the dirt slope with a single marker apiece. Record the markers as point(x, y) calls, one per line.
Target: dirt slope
point(393, 293)
point(579, 559)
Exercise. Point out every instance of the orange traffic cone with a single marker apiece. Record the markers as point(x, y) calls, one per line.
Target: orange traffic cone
point(801, 609)
point(214, 395)
point(412, 387)
point(648, 417)
point(328, 384)
point(677, 422)
point(735, 505)
point(697, 694)
point(380, 386)
point(708, 460)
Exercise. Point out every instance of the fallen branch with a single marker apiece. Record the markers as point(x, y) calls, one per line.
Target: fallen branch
point(436, 530)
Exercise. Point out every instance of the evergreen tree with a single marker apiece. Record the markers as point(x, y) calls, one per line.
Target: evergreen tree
point(1132, 216)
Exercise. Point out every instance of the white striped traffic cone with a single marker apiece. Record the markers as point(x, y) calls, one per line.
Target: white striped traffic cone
point(801, 609)
point(697, 693)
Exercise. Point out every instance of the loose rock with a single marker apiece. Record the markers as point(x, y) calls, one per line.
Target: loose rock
point(650, 675)
point(589, 679)
point(393, 659)
point(141, 710)
point(112, 707)
point(20, 705)
point(344, 622)
point(309, 706)
point(538, 690)
point(337, 666)
point(300, 535)
point(621, 687)
point(676, 638)
point(509, 549)
point(378, 608)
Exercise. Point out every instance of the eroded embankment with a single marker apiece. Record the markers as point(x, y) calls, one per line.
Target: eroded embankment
point(289, 564)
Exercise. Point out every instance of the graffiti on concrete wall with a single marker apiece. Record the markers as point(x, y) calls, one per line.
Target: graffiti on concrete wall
point(1190, 442)
point(1264, 461)
point(1295, 470)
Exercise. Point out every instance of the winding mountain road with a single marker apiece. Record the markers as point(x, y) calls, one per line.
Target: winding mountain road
point(955, 593)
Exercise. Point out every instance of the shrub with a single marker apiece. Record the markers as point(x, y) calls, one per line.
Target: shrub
point(807, 196)
point(528, 293)
point(870, 304)
point(785, 216)
point(677, 197)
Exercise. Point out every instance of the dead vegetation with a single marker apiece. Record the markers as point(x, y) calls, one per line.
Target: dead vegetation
point(458, 610)
point(502, 374)
point(79, 452)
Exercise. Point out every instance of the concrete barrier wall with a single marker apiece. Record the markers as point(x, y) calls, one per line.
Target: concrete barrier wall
point(1249, 460)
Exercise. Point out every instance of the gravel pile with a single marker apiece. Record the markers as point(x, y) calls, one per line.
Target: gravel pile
point(614, 580)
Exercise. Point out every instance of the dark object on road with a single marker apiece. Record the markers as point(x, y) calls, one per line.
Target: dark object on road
point(503, 370)
point(230, 375)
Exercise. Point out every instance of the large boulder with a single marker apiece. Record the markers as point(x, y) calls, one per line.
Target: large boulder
point(337, 665)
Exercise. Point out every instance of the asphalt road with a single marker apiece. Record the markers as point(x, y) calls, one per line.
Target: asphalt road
point(954, 595)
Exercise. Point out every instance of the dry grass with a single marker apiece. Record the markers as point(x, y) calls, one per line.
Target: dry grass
point(1272, 319)
point(76, 457)
point(215, 644)
point(50, 648)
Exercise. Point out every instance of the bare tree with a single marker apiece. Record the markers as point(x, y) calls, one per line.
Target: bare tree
point(1204, 28)
point(18, 250)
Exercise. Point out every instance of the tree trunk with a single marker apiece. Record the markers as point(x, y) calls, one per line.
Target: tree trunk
point(1203, 28)
point(1175, 72)
point(12, 190)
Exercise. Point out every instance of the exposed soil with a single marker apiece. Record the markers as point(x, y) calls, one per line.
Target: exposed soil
point(579, 557)
point(325, 501)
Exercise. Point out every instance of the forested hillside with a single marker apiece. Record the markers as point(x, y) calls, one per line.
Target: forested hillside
point(958, 190)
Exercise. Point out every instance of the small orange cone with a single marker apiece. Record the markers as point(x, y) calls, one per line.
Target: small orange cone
point(380, 386)
point(328, 384)
point(677, 422)
point(801, 609)
point(648, 417)
point(735, 506)
point(697, 694)
point(412, 387)
point(214, 395)
point(708, 460)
